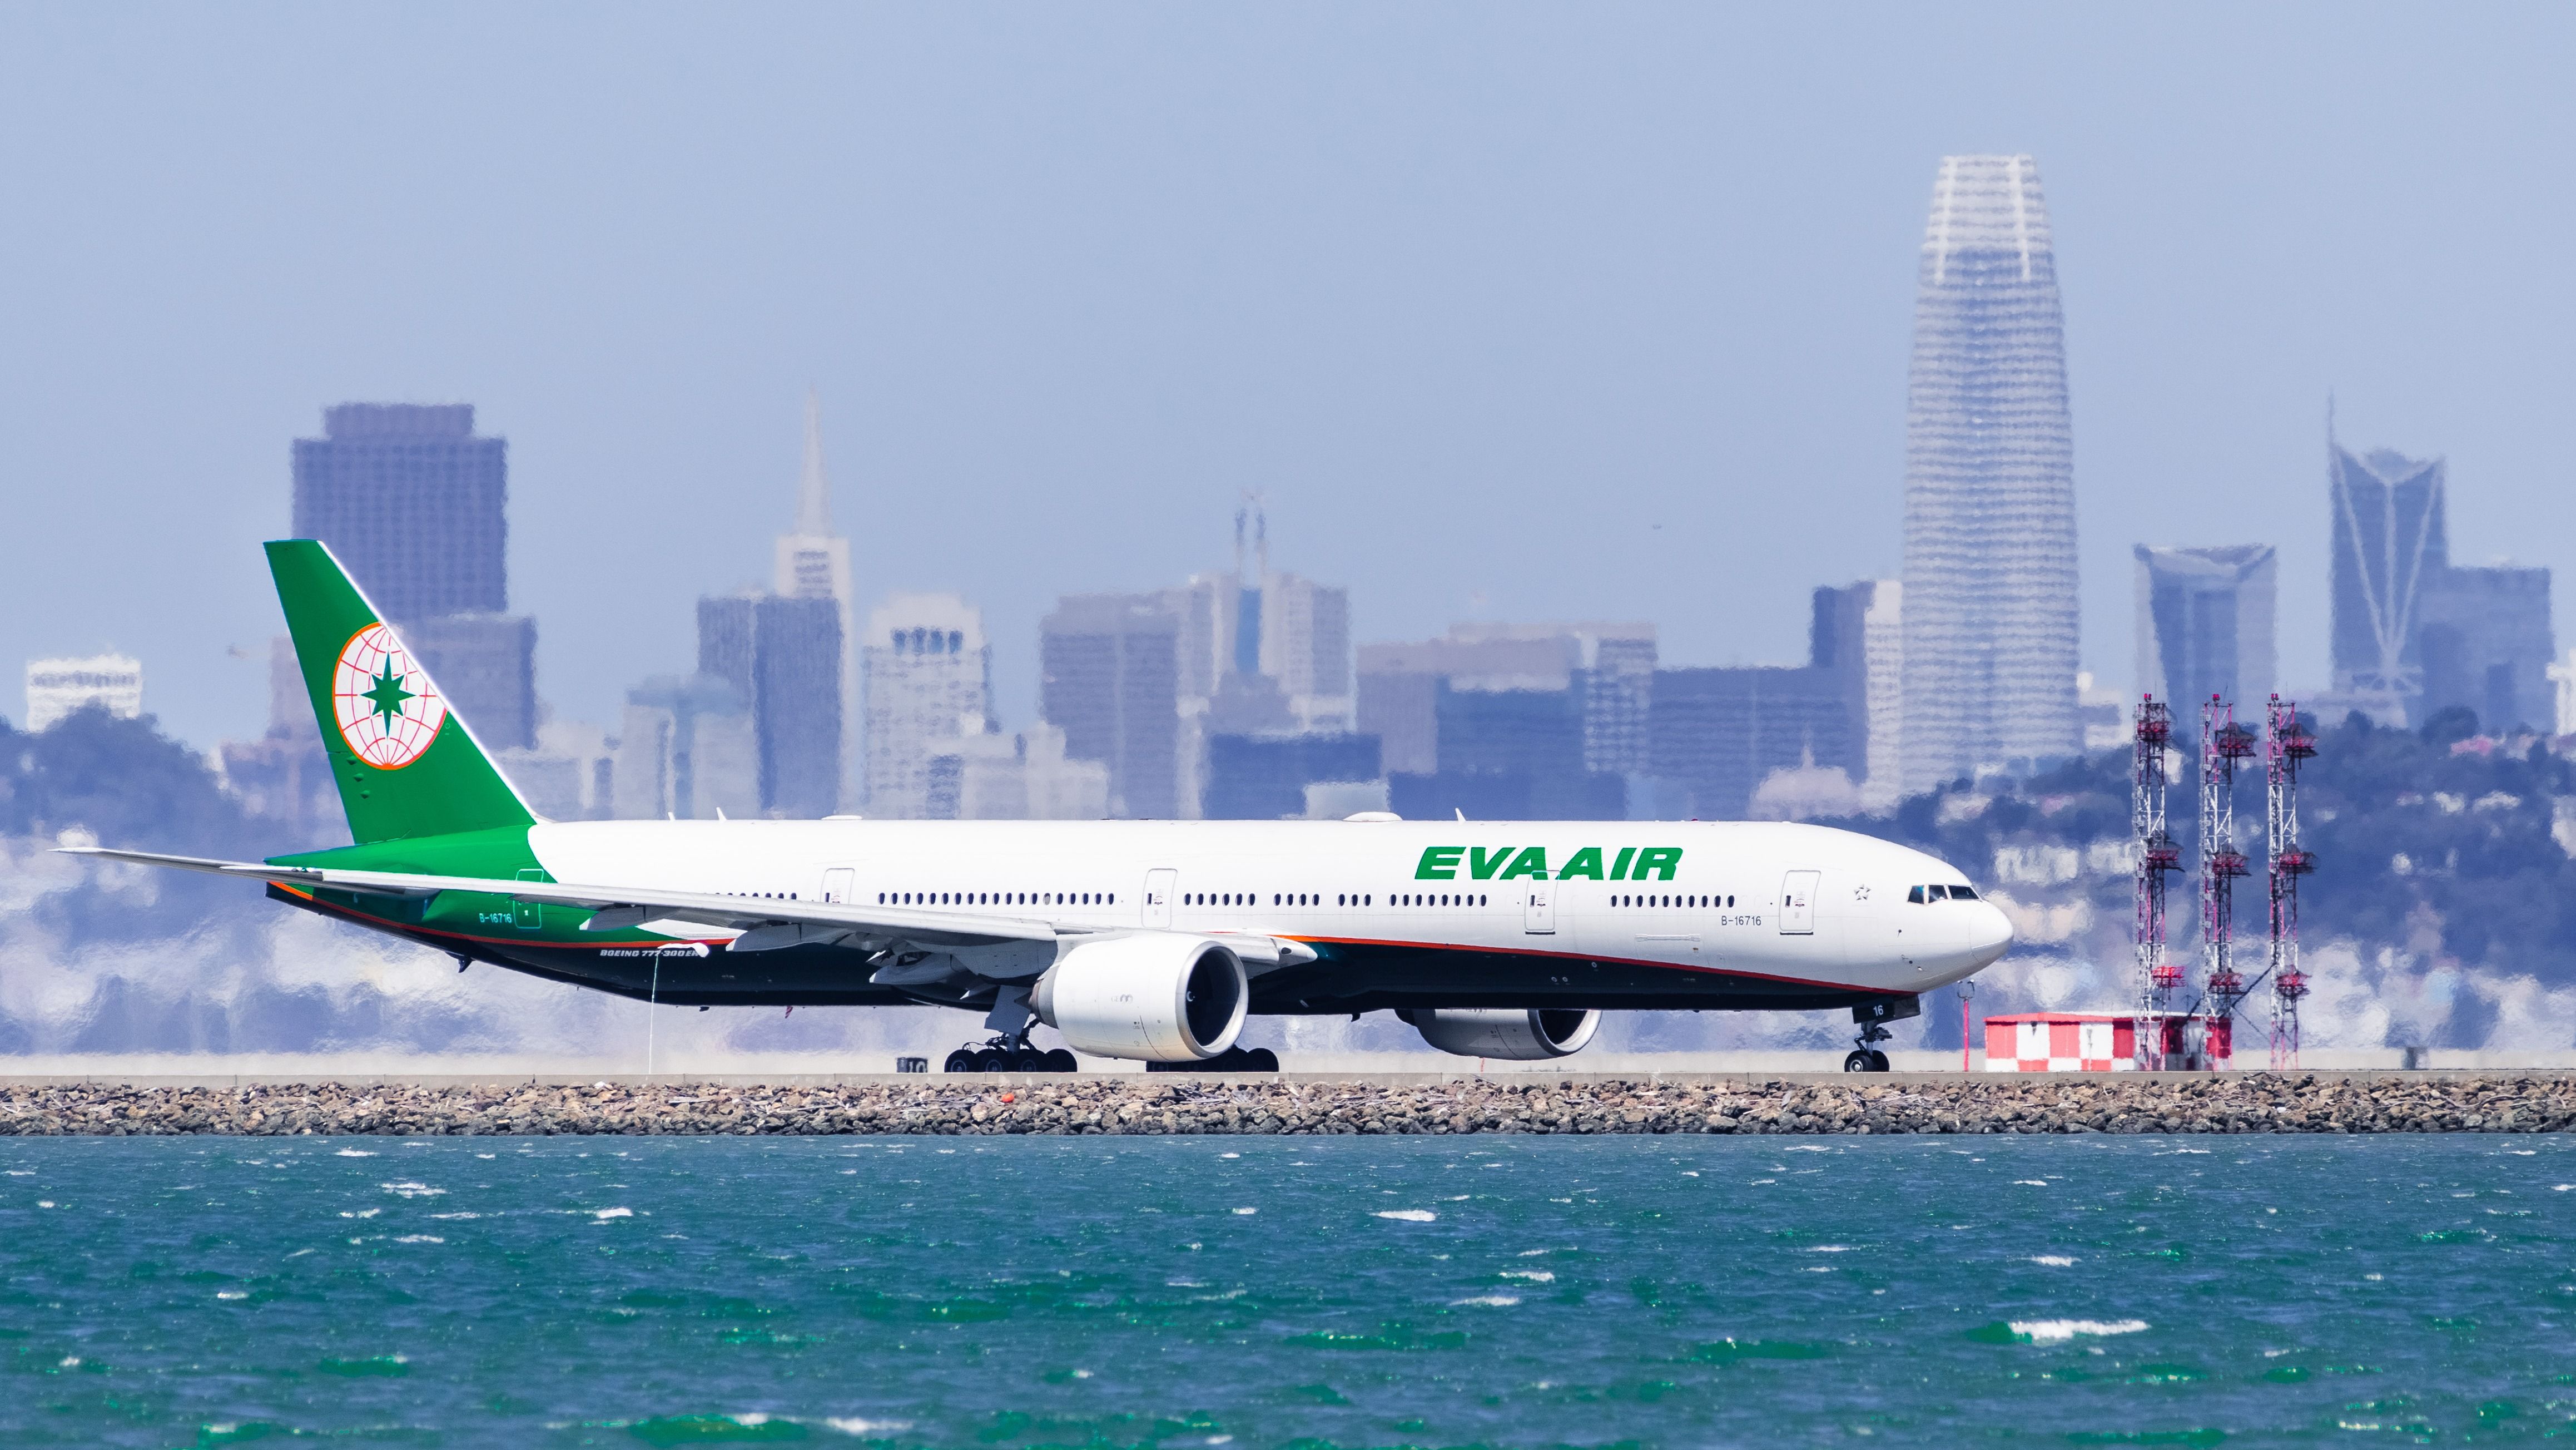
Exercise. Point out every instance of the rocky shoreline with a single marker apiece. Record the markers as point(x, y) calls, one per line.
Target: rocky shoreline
point(1189, 1103)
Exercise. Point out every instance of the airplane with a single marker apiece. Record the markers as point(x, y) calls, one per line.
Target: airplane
point(1133, 939)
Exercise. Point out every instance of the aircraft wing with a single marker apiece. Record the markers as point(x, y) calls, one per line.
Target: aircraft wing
point(766, 923)
point(617, 908)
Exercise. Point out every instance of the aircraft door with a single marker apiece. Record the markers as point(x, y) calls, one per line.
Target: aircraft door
point(838, 883)
point(1798, 903)
point(1538, 909)
point(1158, 897)
point(530, 915)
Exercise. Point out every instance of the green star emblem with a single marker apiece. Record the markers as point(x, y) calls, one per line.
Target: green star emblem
point(388, 695)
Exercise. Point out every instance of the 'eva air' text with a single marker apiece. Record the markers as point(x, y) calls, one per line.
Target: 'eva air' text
point(1507, 863)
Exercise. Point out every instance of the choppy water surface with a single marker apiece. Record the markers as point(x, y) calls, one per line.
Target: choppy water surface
point(1265, 1292)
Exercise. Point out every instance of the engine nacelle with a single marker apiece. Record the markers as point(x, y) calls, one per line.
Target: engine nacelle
point(1513, 1034)
point(1159, 996)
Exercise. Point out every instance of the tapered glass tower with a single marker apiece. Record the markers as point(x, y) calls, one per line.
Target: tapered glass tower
point(1990, 606)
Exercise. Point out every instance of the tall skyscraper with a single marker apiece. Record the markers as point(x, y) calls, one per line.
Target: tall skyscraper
point(2205, 624)
point(415, 505)
point(2414, 634)
point(1990, 601)
point(783, 657)
point(2390, 542)
point(926, 683)
point(1109, 678)
point(814, 563)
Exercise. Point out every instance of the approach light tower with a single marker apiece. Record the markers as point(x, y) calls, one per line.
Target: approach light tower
point(2285, 745)
point(2157, 857)
point(2223, 743)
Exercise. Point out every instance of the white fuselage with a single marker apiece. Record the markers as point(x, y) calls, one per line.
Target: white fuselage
point(1784, 902)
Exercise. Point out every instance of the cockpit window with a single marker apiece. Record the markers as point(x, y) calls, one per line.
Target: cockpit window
point(1962, 893)
point(1915, 895)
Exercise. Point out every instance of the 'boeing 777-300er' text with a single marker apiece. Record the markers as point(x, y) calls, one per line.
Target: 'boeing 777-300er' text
point(1132, 939)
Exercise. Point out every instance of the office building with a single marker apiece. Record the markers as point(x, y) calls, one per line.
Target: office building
point(415, 505)
point(1857, 633)
point(926, 683)
point(2412, 633)
point(813, 562)
point(1990, 582)
point(568, 775)
point(1270, 777)
point(2205, 625)
point(57, 687)
point(2487, 645)
point(283, 777)
point(1606, 669)
point(782, 656)
point(1109, 678)
point(486, 666)
point(2390, 539)
point(686, 750)
point(1719, 734)
point(1027, 777)
point(2562, 675)
point(1260, 652)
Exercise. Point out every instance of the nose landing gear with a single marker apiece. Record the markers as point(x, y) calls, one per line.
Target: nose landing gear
point(1866, 1058)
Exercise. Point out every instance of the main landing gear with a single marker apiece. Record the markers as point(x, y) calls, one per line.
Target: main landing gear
point(1866, 1058)
point(1009, 1054)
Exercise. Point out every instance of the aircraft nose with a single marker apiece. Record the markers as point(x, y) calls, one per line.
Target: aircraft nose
point(1991, 933)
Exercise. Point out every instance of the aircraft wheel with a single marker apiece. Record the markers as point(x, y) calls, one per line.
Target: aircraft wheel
point(1029, 1059)
point(1061, 1060)
point(992, 1059)
point(962, 1060)
point(1857, 1060)
point(1261, 1059)
point(1877, 1060)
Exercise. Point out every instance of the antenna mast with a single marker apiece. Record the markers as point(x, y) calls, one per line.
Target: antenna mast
point(2223, 742)
point(2285, 746)
point(2157, 856)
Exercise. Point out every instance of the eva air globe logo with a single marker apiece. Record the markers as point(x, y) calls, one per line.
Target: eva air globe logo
point(387, 711)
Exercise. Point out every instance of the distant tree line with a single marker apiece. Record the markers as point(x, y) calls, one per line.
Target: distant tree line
point(2439, 833)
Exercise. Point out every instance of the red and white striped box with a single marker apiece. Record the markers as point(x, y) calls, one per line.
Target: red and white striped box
point(2061, 1042)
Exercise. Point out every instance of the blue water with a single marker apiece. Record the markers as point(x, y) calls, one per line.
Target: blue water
point(1275, 1292)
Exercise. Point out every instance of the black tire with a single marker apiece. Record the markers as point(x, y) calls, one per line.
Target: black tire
point(1877, 1060)
point(1261, 1059)
point(1029, 1059)
point(1857, 1060)
point(992, 1059)
point(1061, 1060)
point(962, 1060)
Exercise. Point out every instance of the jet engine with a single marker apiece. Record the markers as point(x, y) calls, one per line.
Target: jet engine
point(1159, 996)
point(1508, 1033)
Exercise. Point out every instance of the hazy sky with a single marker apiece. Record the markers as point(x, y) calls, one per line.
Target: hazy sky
point(1514, 312)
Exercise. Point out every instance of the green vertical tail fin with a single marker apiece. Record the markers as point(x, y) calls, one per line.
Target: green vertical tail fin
point(404, 761)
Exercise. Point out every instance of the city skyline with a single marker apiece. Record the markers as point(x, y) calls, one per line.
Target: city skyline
point(1675, 300)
